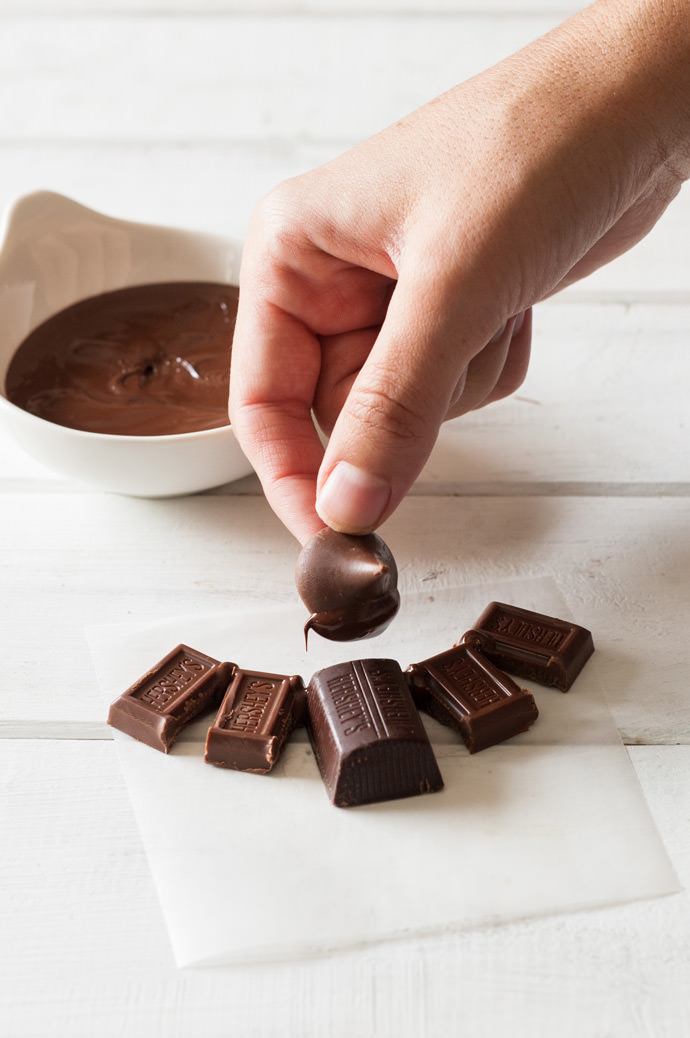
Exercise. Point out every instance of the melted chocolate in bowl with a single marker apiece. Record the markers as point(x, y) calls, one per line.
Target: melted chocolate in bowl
point(149, 360)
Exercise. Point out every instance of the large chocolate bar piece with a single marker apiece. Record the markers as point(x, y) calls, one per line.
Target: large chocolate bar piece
point(464, 690)
point(531, 645)
point(254, 721)
point(184, 684)
point(368, 738)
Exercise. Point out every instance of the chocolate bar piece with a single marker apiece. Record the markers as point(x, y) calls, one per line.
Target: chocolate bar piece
point(156, 708)
point(368, 738)
point(464, 690)
point(254, 721)
point(531, 645)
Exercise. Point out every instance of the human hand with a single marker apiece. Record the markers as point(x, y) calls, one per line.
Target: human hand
point(391, 288)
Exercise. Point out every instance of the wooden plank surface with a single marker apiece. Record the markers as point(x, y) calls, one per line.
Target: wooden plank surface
point(622, 565)
point(84, 943)
point(280, 76)
point(292, 8)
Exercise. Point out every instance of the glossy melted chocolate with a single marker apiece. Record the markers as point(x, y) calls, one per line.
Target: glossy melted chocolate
point(348, 583)
point(149, 360)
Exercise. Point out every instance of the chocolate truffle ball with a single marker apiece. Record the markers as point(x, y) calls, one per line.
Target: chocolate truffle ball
point(348, 583)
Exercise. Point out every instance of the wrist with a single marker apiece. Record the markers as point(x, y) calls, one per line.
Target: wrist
point(640, 55)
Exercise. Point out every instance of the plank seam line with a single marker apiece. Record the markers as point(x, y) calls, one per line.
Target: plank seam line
point(269, 11)
point(10, 486)
point(20, 732)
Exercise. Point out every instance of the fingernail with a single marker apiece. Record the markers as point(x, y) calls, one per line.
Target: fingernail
point(352, 500)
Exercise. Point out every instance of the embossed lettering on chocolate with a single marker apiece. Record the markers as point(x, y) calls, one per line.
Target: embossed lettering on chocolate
point(180, 687)
point(254, 721)
point(348, 583)
point(368, 738)
point(532, 645)
point(148, 360)
point(462, 689)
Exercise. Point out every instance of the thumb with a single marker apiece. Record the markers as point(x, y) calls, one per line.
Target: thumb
point(392, 415)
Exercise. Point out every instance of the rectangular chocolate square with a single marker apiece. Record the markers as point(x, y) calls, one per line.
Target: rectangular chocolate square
point(254, 721)
point(464, 690)
point(531, 645)
point(368, 738)
point(182, 685)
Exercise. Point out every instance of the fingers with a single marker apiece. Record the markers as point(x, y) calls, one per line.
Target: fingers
point(391, 417)
point(302, 311)
point(274, 371)
point(293, 297)
point(500, 368)
point(482, 372)
point(342, 358)
point(382, 393)
point(514, 369)
point(390, 420)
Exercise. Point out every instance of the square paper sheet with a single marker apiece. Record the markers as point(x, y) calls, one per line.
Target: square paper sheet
point(251, 867)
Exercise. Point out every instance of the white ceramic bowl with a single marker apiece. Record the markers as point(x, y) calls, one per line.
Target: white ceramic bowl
point(54, 252)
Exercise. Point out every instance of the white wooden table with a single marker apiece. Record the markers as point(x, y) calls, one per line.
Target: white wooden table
point(184, 114)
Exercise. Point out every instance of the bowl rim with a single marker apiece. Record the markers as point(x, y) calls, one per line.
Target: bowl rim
point(17, 210)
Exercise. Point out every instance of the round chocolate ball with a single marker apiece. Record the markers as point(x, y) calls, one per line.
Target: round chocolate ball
point(348, 583)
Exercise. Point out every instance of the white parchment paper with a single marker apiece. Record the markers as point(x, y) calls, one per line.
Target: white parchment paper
point(251, 867)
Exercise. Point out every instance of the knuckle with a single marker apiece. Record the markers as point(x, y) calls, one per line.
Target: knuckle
point(278, 216)
point(380, 408)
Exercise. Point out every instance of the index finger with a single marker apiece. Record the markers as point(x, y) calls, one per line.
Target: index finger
point(275, 368)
